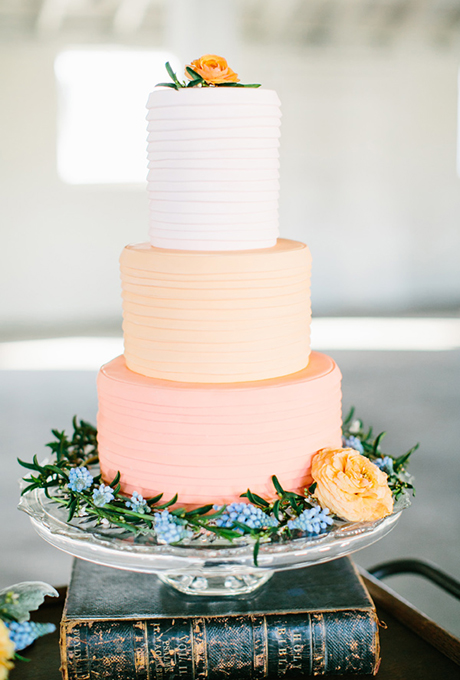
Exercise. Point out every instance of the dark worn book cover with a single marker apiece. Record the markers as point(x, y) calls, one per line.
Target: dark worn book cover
point(311, 621)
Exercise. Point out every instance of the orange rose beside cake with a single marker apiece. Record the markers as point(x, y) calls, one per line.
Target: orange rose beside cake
point(350, 485)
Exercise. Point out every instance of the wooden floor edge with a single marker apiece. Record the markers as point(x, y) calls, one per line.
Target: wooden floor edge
point(413, 618)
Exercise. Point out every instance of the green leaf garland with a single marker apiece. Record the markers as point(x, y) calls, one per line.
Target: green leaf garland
point(80, 451)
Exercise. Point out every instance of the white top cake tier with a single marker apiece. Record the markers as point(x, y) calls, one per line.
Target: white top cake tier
point(213, 168)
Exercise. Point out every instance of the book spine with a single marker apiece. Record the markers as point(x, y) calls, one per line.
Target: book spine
point(220, 648)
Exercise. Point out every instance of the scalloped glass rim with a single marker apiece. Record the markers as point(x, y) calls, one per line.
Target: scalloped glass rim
point(105, 546)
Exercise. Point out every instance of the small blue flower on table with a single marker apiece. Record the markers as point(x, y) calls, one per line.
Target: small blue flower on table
point(23, 634)
point(102, 495)
point(80, 479)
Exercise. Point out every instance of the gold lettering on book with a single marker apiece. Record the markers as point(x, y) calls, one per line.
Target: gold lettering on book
point(282, 651)
point(297, 650)
point(199, 648)
point(157, 652)
point(318, 639)
point(75, 637)
point(259, 636)
point(182, 651)
point(141, 659)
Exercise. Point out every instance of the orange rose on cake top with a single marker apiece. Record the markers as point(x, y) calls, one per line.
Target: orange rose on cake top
point(350, 485)
point(213, 69)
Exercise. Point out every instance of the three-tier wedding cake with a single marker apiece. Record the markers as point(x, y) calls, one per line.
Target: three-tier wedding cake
point(217, 389)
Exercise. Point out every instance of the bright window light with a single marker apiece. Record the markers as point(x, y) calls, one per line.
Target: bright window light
point(102, 97)
point(458, 124)
point(386, 334)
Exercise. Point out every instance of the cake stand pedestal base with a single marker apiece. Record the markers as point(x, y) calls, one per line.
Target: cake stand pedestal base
point(217, 581)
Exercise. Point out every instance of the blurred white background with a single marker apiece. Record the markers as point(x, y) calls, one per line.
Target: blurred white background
point(368, 156)
point(369, 92)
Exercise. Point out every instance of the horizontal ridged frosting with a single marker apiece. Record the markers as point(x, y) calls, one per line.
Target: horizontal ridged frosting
point(216, 317)
point(209, 443)
point(213, 151)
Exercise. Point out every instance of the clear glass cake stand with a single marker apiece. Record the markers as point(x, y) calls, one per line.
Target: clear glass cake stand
point(202, 566)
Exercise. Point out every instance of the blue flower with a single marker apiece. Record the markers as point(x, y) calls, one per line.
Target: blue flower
point(247, 514)
point(23, 634)
point(102, 495)
point(352, 442)
point(385, 464)
point(168, 528)
point(312, 521)
point(137, 503)
point(80, 479)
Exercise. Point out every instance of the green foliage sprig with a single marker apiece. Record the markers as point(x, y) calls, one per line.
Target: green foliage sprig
point(79, 451)
point(16, 602)
point(284, 508)
point(399, 479)
point(196, 80)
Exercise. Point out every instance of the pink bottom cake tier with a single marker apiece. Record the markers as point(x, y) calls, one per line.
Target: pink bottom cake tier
point(209, 443)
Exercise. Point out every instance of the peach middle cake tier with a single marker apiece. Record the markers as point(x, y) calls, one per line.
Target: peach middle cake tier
point(216, 317)
point(209, 443)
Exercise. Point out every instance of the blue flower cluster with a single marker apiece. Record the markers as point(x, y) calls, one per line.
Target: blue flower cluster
point(244, 513)
point(168, 528)
point(102, 495)
point(312, 521)
point(352, 442)
point(385, 464)
point(137, 503)
point(80, 479)
point(23, 634)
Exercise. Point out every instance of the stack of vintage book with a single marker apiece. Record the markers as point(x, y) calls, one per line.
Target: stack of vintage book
point(317, 620)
